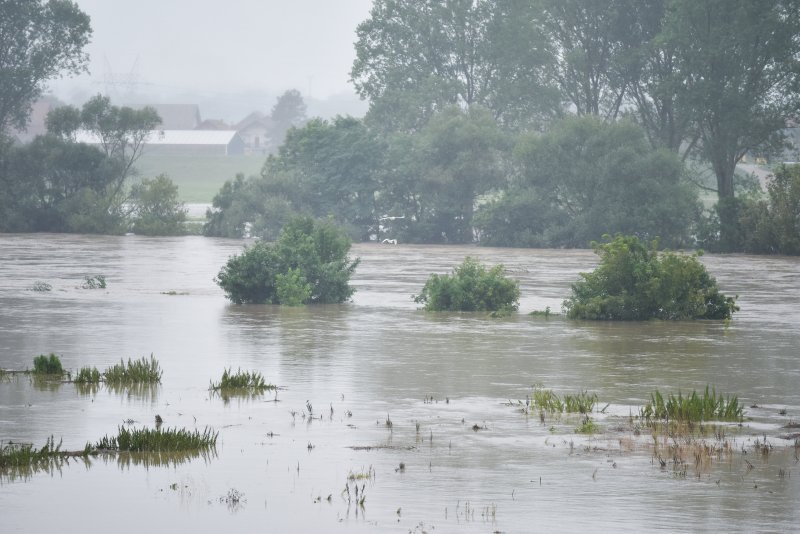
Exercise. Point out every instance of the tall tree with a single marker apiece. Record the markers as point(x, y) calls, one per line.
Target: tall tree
point(39, 40)
point(120, 131)
point(414, 57)
point(289, 111)
point(739, 69)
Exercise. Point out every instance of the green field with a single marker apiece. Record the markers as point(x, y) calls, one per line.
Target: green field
point(198, 176)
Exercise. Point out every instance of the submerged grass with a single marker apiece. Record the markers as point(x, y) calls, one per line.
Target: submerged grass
point(47, 365)
point(17, 455)
point(546, 400)
point(693, 408)
point(87, 375)
point(158, 440)
point(250, 382)
point(135, 372)
point(583, 402)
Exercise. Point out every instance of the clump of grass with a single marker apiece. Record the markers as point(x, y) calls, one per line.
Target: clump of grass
point(587, 426)
point(87, 375)
point(546, 313)
point(19, 455)
point(157, 440)
point(139, 371)
point(47, 365)
point(42, 287)
point(583, 402)
point(94, 282)
point(251, 382)
point(693, 408)
point(369, 474)
point(546, 400)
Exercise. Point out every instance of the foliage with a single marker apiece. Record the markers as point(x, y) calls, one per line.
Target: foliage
point(155, 440)
point(251, 381)
point(471, 287)
point(307, 253)
point(582, 402)
point(39, 40)
point(635, 282)
point(94, 282)
point(546, 400)
point(23, 455)
point(416, 56)
point(41, 287)
point(47, 365)
point(87, 375)
point(134, 372)
point(693, 408)
point(585, 178)
point(156, 208)
point(288, 112)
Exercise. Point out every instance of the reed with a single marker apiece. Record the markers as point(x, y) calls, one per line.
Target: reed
point(87, 375)
point(582, 403)
point(134, 372)
point(546, 400)
point(693, 408)
point(19, 455)
point(245, 381)
point(157, 440)
point(47, 365)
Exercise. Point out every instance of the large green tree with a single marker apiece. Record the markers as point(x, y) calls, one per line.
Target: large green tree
point(288, 112)
point(39, 40)
point(414, 57)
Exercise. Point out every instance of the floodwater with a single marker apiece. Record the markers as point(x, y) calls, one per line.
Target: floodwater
point(379, 359)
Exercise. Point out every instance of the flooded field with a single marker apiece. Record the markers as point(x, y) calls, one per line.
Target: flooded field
point(423, 414)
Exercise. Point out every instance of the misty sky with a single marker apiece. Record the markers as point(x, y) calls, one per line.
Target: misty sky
point(177, 46)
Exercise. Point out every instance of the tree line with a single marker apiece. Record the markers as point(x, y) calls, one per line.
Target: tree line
point(547, 123)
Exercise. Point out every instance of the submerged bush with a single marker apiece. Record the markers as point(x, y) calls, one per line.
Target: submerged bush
point(307, 265)
point(47, 365)
point(471, 287)
point(94, 282)
point(19, 455)
point(635, 282)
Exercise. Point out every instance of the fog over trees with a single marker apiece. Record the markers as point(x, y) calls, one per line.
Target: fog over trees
point(545, 123)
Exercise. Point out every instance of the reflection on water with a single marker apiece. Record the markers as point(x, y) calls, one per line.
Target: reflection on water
point(377, 359)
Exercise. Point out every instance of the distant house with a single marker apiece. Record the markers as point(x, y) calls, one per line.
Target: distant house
point(219, 142)
point(178, 116)
point(255, 130)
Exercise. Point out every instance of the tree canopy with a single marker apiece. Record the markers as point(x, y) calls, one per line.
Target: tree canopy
point(39, 40)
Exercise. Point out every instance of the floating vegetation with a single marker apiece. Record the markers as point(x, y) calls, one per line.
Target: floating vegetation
point(157, 440)
point(87, 375)
point(546, 313)
point(47, 365)
point(246, 381)
point(141, 371)
point(693, 408)
point(174, 293)
point(94, 282)
point(41, 287)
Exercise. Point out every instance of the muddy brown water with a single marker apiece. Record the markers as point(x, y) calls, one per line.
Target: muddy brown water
point(380, 358)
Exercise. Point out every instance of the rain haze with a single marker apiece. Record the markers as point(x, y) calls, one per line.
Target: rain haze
point(226, 56)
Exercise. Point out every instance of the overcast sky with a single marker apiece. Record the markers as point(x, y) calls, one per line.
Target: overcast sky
point(228, 46)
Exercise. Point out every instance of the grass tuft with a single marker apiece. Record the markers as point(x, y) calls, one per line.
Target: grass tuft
point(47, 365)
point(158, 440)
point(581, 403)
point(87, 375)
point(139, 371)
point(693, 408)
point(251, 382)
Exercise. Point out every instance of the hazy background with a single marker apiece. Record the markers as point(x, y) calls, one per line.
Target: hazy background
point(230, 57)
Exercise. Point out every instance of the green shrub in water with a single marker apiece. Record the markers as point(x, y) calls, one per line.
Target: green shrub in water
point(308, 264)
point(635, 282)
point(471, 287)
point(47, 365)
point(94, 282)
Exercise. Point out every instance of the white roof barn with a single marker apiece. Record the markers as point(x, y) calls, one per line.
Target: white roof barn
point(227, 142)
